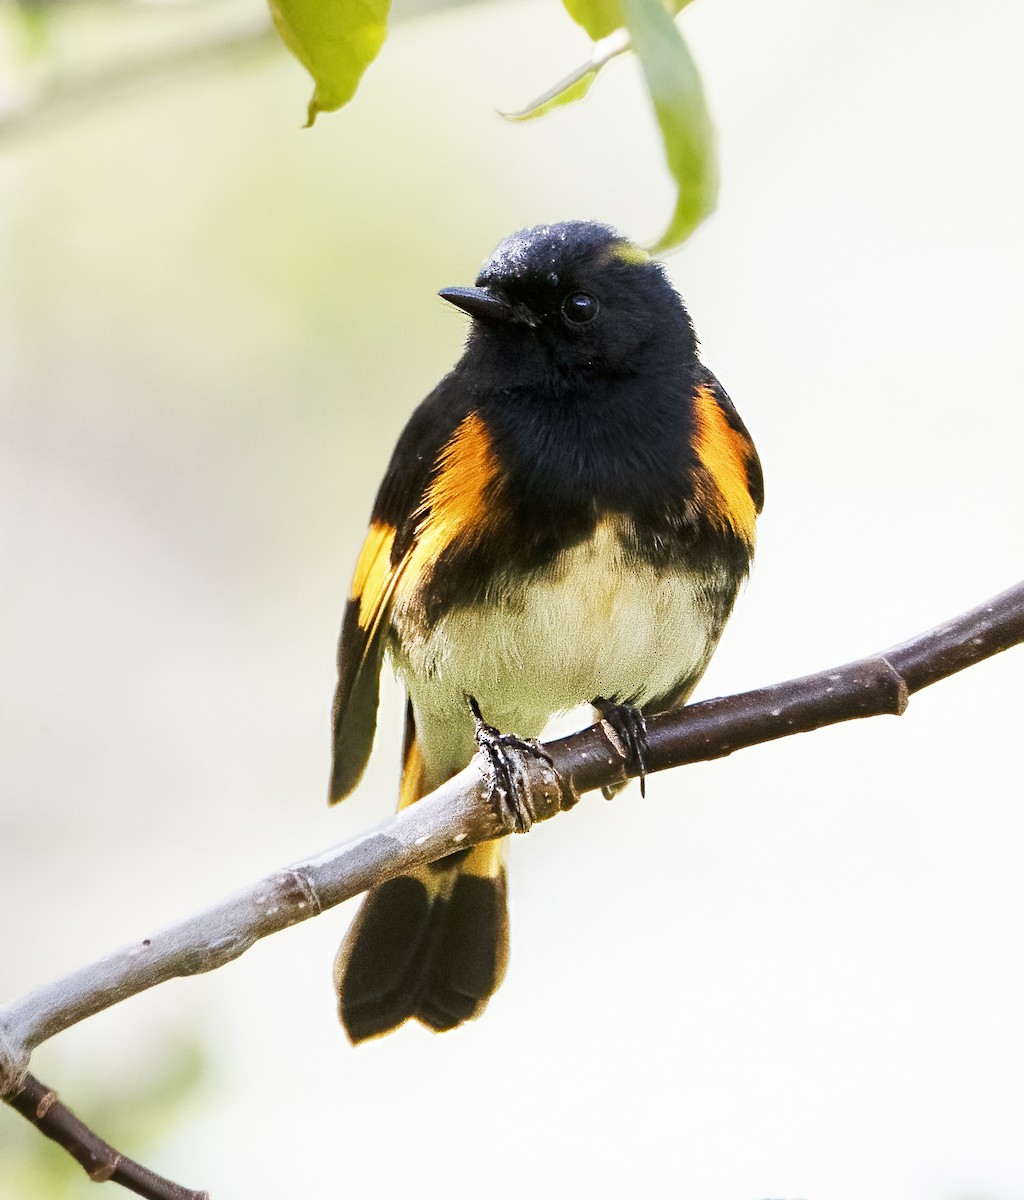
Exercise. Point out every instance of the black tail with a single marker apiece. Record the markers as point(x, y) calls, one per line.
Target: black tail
point(431, 945)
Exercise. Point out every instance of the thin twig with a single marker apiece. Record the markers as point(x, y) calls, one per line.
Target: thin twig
point(460, 814)
point(100, 1161)
point(71, 93)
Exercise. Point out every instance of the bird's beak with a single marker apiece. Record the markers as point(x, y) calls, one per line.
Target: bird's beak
point(482, 303)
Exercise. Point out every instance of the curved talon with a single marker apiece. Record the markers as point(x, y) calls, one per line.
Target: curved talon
point(509, 779)
point(630, 726)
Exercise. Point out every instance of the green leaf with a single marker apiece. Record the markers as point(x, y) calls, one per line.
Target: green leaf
point(603, 20)
point(602, 17)
point(598, 17)
point(575, 87)
point(682, 113)
point(335, 40)
point(34, 26)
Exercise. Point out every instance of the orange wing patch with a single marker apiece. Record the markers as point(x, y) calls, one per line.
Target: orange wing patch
point(455, 507)
point(372, 579)
point(724, 453)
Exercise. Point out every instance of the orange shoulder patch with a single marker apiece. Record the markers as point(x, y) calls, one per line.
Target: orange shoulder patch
point(457, 498)
point(723, 453)
point(458, 504)
point(455, 507)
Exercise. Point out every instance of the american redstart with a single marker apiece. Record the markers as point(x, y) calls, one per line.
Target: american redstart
point(565, 520)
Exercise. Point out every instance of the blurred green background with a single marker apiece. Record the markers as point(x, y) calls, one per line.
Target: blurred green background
point(796, 973)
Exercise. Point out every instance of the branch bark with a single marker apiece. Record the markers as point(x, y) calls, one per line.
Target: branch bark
point(461, 813)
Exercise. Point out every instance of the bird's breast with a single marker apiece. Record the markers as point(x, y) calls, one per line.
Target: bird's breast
point(596, 621)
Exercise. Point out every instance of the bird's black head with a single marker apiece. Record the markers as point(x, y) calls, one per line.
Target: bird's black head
point(572, 297)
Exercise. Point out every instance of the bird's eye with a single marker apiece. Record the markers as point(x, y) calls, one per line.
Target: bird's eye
point(580, 308)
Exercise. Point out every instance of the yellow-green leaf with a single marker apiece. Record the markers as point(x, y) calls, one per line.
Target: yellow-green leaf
point(598, 17)
point(682, 113)
point(335, 40)
point(573, 88)
point(602, 17)
point(603, 20)
point(33, 26)
point(576, 85)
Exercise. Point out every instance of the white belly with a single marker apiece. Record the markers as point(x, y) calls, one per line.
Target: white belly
point(589, 626)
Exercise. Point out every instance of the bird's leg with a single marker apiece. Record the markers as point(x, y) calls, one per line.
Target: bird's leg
point(509, 779)
point(631, 729)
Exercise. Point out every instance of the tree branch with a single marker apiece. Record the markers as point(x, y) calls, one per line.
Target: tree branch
point(461, 813)
point(73, 90)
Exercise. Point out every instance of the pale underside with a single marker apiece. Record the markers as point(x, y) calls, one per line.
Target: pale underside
point(593, 624)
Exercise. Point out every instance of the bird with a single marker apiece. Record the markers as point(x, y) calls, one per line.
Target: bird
point(565, 521)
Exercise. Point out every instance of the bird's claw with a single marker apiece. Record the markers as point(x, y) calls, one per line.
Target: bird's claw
point(509, 776)
point(630, 727)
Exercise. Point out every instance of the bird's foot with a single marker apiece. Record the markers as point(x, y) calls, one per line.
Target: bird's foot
point(630, 727)
point(507, 757)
